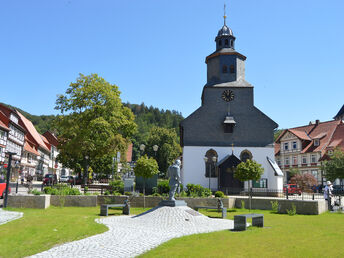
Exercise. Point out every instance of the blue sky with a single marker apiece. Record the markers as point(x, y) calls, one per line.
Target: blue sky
point(154, 50)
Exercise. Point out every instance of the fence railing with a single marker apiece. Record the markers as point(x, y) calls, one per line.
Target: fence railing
point(277, 193)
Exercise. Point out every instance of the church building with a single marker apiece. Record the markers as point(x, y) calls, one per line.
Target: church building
point(227, 128)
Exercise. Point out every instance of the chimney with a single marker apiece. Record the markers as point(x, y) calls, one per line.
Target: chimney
point(317, 122)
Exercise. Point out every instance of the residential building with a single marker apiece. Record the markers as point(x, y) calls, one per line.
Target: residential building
point(55, 167)
point(304, 147)
point(29, 161)
point(3, 141)
point(15, 139)
point(227, 129)
point(38, 144)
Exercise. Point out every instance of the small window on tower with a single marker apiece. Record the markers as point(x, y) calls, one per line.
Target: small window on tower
point(232, 70)
point(224, 69)
point(231, 43)
point(226, 42)
point(220, 42)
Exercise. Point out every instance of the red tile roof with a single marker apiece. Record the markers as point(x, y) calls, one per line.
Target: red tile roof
point(32, 131)
point(3, 126)
point(30, 149)
point(330, 134)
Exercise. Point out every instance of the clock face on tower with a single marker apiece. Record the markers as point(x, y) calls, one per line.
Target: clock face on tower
point(227, 95)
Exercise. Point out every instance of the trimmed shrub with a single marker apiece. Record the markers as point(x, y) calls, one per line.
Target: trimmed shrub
point(163, 187)
point(117, 186)
point(197, 191)
point(219, 194)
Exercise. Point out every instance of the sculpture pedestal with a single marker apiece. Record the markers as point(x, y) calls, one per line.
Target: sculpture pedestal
point(172, 203)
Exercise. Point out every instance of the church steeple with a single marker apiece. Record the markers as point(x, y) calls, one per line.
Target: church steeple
point(225, 65)
point(225, 37)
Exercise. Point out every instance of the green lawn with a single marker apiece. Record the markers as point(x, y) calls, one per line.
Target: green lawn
point(282, 236)
point(40, 230)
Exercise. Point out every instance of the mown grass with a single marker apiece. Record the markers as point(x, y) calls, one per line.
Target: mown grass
point(282, 236)
point(40, 230)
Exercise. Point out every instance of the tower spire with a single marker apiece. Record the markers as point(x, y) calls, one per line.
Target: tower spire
point(224, 14)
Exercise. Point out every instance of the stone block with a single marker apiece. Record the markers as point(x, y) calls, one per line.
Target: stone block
point(74, 200)
point(29, 201)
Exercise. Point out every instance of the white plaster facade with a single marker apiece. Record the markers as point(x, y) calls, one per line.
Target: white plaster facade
point(193, 167)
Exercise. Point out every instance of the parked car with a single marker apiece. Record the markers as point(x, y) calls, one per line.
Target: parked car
point(3, 188)
point(292, 189)
point(49, 179)
point(64, 179)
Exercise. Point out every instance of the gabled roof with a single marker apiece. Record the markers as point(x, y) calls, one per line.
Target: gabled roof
point(46, 142)
point(32, 131)
point(30, 149)
point(51, 138)
point(329, 133)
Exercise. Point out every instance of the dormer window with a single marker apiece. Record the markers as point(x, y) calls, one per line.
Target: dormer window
point(316, 142)
point(226, 42)
point(231, 69)
point(228, 124)
point(224, 69)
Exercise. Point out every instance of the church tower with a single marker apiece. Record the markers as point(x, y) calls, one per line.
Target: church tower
point(227, 117)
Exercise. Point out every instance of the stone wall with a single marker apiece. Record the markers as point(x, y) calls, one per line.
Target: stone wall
point(307, 207)
point(29, 201)
point(310, 207)
point(74, 200)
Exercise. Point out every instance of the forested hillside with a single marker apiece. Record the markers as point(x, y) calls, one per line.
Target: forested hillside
point(149, 117)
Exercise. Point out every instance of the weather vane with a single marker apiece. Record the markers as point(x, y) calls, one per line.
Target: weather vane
point(224, 13)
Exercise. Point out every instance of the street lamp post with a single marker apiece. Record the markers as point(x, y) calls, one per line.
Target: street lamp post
point(155, 149)
point(214, 159)
point(10, 154)
point(85, 173)
point(206, 161)
point(142, 148)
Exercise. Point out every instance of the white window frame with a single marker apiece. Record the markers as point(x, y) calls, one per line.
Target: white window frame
point(295, 160)
point(294, 145)
point(286, 161)
point(304, 159)
point(313, 158)
point(316, 142)
point(286, 146)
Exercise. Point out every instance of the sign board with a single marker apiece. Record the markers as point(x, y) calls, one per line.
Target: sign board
point(128, 185)
point(118, 156)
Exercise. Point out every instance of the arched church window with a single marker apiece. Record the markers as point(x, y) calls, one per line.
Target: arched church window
point(224, 69)
point(245, 155)
point(226, 42)
point(231, 69)
point(220, 42)
point(211, 158)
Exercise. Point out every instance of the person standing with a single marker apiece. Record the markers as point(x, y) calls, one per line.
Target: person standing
point(328, 194)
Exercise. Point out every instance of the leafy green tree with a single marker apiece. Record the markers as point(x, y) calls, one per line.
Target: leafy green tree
point(334, 168)
point(146, 168)
point(93, 121)
point(169, 148)
point(249, 170)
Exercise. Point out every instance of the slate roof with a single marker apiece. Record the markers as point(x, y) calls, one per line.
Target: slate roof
point(340, 113)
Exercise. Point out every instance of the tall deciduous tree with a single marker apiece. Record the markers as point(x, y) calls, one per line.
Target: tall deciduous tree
point(305, 181)
point(93, 121)
point(334, 168)
point(169, 148)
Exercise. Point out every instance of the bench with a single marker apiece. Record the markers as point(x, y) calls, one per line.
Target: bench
point(104, 208)
point(240, 221)
point(219, 207)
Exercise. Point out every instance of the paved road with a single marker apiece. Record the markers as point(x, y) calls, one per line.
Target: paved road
point(131, 236)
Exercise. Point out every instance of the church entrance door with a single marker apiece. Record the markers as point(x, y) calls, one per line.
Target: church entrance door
point(227, 183)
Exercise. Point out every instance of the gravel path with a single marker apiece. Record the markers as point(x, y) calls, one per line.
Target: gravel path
point(129, 236)
point(7, 216)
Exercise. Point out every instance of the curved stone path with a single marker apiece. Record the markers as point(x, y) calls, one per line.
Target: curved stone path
point(7, 216)
point(129, 236)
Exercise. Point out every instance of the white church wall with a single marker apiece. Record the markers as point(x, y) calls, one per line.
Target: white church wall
point(193, 170)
